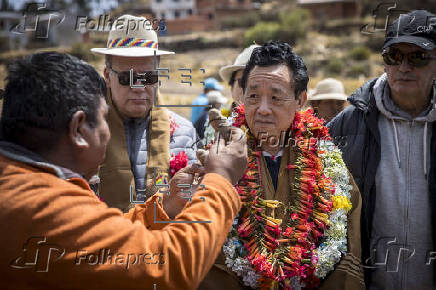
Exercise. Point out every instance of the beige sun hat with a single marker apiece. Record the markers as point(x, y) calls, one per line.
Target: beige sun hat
point(328, 89)
point(216, 97)
point(132, 37)
point(240, 62)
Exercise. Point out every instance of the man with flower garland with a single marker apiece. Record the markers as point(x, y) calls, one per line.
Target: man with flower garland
point(299, 226)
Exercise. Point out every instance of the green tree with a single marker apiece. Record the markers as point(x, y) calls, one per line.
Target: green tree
point(291, 27)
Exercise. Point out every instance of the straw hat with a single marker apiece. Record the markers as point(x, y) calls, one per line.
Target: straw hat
point(328, 89)
point(132, 37)
point(216, 97)
point(240, 63)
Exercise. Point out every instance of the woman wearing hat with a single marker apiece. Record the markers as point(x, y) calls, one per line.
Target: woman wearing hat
point(328, 99)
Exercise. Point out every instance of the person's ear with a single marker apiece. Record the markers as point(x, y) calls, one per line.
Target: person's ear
point(302, 98)
point(106, 72)
point(79, 130)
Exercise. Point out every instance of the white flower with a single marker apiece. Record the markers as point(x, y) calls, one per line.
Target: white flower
point(335, 237)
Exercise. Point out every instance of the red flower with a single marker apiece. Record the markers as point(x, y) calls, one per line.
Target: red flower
point(239, 120)
point(288, 232)
point(178, 162)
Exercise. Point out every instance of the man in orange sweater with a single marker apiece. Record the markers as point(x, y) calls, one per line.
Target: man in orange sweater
point(56, 233)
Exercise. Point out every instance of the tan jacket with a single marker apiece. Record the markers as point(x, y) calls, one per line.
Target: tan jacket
point(347, 274)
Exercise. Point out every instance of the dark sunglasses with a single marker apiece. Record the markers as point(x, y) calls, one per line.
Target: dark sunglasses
point(146, 78)
point(393, 56)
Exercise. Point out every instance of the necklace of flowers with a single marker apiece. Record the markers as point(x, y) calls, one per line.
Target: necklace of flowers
point(270, 254)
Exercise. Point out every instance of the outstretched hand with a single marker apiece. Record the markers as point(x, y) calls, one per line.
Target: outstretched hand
point(228, 160)
point(175, 202)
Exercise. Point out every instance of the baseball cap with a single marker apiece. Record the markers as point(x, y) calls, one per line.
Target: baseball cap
point(212, 83)
point(417, 27)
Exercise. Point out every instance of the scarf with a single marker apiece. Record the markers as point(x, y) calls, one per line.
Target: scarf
point(116, 177)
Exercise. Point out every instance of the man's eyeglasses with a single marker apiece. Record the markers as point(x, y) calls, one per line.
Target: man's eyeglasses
point(146, 78)
point(393, 56)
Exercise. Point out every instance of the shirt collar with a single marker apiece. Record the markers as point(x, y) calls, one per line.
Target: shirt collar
point(273, 157)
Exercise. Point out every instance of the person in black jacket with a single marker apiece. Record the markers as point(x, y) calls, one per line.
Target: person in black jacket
point(390, 149)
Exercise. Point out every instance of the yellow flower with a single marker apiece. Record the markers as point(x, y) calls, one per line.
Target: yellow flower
point(341, 202)
point(225, 112)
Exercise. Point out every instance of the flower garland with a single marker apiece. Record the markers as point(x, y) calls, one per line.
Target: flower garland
point(335, 239)
point(259, 248)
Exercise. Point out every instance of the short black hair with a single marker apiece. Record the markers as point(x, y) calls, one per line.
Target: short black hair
point(43, 92)
point(278, 52)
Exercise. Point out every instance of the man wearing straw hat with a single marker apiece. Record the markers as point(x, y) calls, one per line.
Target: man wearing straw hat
point(143, 136)
point(232, 74)
point(56, 234)
point(328, 98)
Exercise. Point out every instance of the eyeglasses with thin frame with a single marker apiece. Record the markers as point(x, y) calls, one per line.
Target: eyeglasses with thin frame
point(393, 56)
point(146, 77)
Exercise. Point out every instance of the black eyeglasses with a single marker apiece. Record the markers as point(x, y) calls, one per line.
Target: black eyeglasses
point(393, 56)
point(146, 78)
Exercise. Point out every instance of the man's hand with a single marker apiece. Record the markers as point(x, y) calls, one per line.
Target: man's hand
point(220, 123)
point(175, 202)
point(229, 161)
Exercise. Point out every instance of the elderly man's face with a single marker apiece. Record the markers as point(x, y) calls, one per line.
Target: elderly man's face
point(405, 80)
point(328, 109)
point(236, 88)
point(130, 102)
point(270, 101)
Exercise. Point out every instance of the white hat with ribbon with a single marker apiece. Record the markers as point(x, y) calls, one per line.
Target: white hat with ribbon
point(328, 89)
point(240, 62)
point(132, 37)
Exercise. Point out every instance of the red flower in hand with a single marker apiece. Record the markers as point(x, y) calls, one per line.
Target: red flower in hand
point(178, 162)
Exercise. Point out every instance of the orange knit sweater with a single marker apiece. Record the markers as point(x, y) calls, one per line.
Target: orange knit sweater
point(56, 234)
